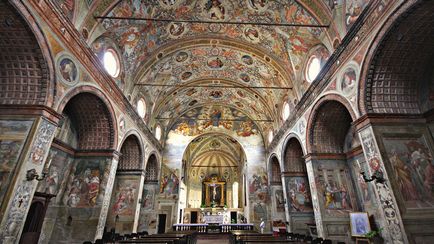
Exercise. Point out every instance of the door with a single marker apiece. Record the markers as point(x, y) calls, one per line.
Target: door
point(35, 218)
point(193, 219)
point(161, 223)
point(233, 217)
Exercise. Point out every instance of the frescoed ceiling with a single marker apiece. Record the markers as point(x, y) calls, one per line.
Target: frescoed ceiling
point(178, 66)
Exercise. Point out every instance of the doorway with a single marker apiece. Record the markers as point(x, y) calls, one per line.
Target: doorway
point(161, 223)
point(193, 219)
point(35, 218)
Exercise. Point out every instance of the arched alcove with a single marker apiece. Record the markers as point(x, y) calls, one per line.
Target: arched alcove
point(298, 192)
point(131, 155)
point(331, 174)
point(397, 88)
point(275, 178)
point(25, 78)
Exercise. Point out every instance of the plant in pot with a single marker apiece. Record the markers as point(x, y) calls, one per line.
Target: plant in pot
point(225, 207)
point(374, 236)
point(202, 207)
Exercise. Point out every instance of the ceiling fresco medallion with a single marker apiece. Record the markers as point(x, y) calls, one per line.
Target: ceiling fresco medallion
point(186, 75)
point(67, 70)
point(251, 35)
point(247, 59)
point(245, 77)
point(215, 9)
point(181, 57)
point(177, 30)
point(348, 81)
point(216, 94)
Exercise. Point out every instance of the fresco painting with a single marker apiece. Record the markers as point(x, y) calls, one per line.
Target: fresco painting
point(258, 185)
point(148, 196)
point(169, 182)
point(299, 196)
point(214, 118)
point(124, 197)
point(413, 169)
point(353, 9)
point(84, 183)
point(348, 81)
point(13, 134)
point(279, 200)
point(335, 188)
point(59, 168)
point(68, 70)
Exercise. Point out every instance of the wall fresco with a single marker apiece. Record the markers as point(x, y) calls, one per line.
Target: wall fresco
point(335, 191)
point(298, 191)
point(13, 134)
point(84, 187)
point(413, 169)
point(59, 169)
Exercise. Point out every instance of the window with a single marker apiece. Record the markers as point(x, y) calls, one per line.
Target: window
point(285, 111)
point(313, 68)
point(270, 136)
point(158, 132)
point(141, 108)
point(111, 63)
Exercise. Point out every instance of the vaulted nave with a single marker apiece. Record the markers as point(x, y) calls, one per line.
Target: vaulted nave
point(216, 121)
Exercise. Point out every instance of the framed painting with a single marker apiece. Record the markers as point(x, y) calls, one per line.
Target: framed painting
point(359, 223)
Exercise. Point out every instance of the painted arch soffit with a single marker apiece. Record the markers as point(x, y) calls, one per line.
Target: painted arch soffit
point(140, 40)
point(217, 118)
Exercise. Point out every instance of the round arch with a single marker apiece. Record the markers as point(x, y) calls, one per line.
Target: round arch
point(82, 100)
point(293, 143)
point(32, 51)
point(131, 154)
point(336, 104)
point(399, 52)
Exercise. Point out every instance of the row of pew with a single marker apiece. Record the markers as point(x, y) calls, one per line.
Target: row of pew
point(179, 237)
point(245, 237)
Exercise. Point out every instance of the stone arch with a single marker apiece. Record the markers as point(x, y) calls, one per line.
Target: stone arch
point(394, 71)
point(328, 125)
point(96, 109)
point(293, 155)
point(27, 75)
point(94, 122)
point(131, 157)
point(274, 169)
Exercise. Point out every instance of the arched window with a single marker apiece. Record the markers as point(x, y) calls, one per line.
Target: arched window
point(270, 136)
point(111, 63)
point(141, 108)
point(285, 111)
point(313, 68)
point(158, 132)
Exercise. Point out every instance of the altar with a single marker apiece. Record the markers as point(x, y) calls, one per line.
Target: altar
point(218, 219)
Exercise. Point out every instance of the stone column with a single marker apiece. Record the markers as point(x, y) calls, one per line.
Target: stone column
point(21, 190)
point(389, 215)
point(315, 198)
point(285, 194)
point(107, 196)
